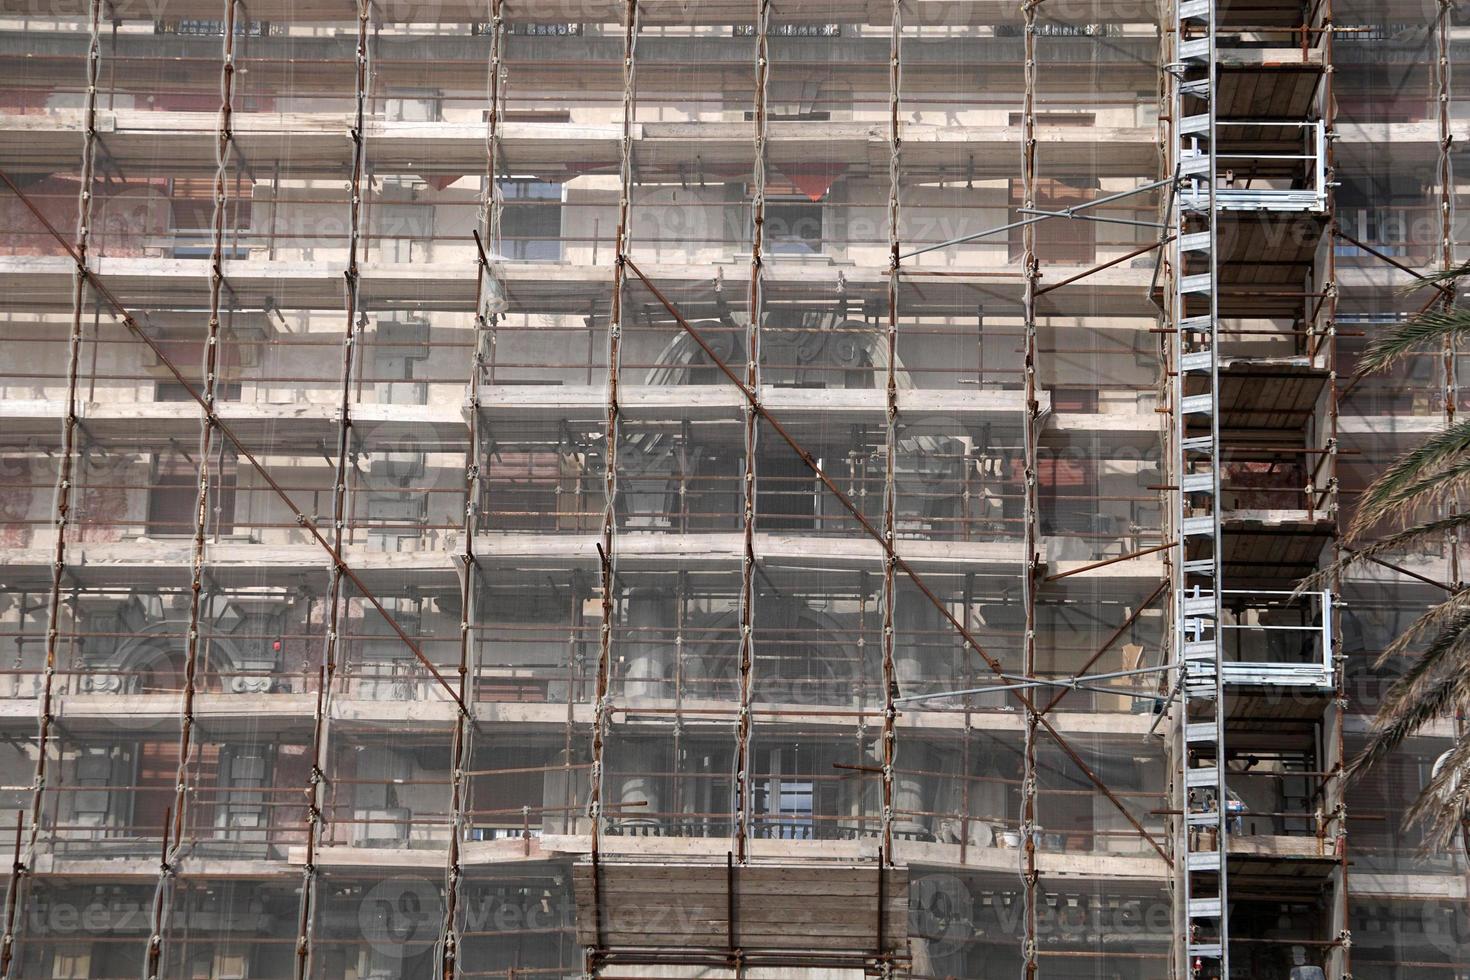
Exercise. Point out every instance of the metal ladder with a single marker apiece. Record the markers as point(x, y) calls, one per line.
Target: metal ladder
point(1203, 825)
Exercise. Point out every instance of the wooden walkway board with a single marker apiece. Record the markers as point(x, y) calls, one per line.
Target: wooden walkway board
point(787, 907)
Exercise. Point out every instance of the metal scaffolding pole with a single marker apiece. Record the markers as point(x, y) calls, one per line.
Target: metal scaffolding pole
point(24, 863)
point(462, 752)
point(1031, 531)
point(887, 752)
point(891, 554)
point(607, 549)
point(174, 834)
point(335, 616)
point(1340, 957)
point(750, 446)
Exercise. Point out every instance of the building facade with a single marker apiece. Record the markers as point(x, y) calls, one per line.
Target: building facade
point(683, 488)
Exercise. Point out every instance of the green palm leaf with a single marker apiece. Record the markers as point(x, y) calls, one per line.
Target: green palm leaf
point(1420, 533)
point(1425, 331)
point(1389, 731)
point(1441, 807)
point(1437, 682)
point(1443, 275)
point(1432, 471)
point(1448, 652)
point(1436, 617)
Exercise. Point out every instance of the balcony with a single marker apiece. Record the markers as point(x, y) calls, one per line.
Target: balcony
point(1270, 640)
point(1250, 177)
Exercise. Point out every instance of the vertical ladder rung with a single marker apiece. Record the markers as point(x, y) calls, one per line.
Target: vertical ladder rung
point(1204, 908)
point(1194, 164)
point(1198, 527)
point(1207, 777)
point(1198, 404)
point(1200, 360)
point(1195, 241)
point(1198, 87)
point(1200, 650)
point(1198, 483)
point(1195, 50)
point(1199, 444)
point(1199, 123)
point(1198, 732)
point(1200, 605)
point(1205, 861)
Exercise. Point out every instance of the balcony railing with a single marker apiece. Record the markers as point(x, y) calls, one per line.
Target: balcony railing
point(1236, 168)
point(1277, 654)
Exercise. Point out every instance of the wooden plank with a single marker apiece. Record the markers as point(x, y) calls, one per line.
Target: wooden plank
point(790, 907)
point(795, 890)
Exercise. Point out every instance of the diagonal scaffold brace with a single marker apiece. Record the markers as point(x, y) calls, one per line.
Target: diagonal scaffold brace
point(891, 555)
point(223, 428)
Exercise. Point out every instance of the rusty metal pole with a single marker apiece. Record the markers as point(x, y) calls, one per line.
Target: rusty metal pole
point(173, 834)
point(1447, 234)
point(888, 749)
point(755, 305)
point(608, 547)
point(1335, 787)
point(451, 940)
point(335, 616)
point(898, 560)
point(62, 506)
point(1031, 269)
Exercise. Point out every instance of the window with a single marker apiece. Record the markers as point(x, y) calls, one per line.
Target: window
point(1378, 212)
point(530, 219)
point(1067, 492)
point(1060, 240)
point(71, 964)
point(788, 809)
point(790, 30)
point(545, 30)
point(397, 349)
point(174, 493)
point(796, 115)
point(405, 232)
point(185, 351)
point(211, 28)
point(1052, 29)
point(793, 226)
point(191, 218)
point(1383, 229)
point(485, 27)
point(172, 391)
point(413, 105)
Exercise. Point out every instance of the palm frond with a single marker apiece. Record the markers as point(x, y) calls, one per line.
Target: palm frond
point(1436, 617)
point(1441, 463)
point(1433, 328)
point(1389, 731)
point(1442, 276)
point(1407, 538)
point(1446, 654)
point(1442, 805)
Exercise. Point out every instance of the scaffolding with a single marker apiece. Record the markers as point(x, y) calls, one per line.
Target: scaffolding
point(701, 489)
